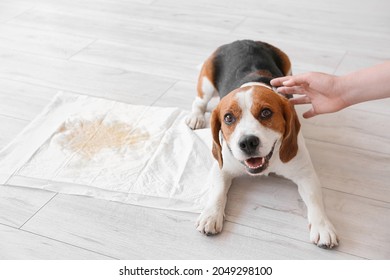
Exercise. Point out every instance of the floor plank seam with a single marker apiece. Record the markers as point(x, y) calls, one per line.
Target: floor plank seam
point(361, 110)
point(57, 89)
point(121, 69)
point(62, 32)
point(56, 240)
point(33, 84)
point(32, 216)
point(381, 154)
point(166, 77)
point(14, 118)
point(69, 244)
point(289, 237)
point(160, 96)
point(82, 49)
point(32, 53)
point(233, 29)
point(18, 15)
point(360, 196)
point(7, 225)
point(340, 62)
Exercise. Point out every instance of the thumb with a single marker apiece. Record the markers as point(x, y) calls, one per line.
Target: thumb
point(309, 114)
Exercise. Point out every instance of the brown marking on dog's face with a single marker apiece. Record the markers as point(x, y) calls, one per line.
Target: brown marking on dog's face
point(283, 119)
point(215, 124)
point(263, 100)
point(228, 105)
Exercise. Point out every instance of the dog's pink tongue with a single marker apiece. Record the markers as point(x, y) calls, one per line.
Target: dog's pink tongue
point(254, 162)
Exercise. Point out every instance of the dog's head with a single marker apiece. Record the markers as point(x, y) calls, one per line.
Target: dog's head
point(254, 122)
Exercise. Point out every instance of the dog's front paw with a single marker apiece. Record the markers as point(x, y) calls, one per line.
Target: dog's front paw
point(196, 121)
point(210, 222)
point(323, 234)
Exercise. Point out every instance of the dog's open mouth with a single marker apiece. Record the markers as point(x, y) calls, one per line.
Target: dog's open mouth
point(256, 165)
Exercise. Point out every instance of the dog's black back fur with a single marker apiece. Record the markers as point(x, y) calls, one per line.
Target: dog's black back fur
point(242, 62)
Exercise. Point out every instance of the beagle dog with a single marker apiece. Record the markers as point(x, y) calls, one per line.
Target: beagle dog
point(255, 131)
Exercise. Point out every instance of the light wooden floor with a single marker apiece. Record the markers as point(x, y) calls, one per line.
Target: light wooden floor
point(147, 52)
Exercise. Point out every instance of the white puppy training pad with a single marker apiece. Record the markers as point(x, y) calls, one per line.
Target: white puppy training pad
point(110, 150)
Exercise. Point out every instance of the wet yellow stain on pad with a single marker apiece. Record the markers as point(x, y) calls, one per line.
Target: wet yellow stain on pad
point(88, 138)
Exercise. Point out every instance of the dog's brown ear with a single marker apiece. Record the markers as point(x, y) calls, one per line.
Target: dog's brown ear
point(289, 146)
point(215, 124)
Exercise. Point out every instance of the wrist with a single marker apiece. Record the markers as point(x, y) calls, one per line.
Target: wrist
point(342, 89)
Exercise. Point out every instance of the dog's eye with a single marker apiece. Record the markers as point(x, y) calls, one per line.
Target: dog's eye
point(229, 119)
point(265, 114)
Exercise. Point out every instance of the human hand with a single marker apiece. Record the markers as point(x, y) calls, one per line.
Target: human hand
point(321, 90)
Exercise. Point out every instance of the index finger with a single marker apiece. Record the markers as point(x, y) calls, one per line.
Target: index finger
point(277, 82)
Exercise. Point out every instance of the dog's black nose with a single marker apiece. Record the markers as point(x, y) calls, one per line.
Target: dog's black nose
point(249, 144)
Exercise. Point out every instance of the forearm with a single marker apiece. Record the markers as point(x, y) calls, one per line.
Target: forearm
point(366, 84)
